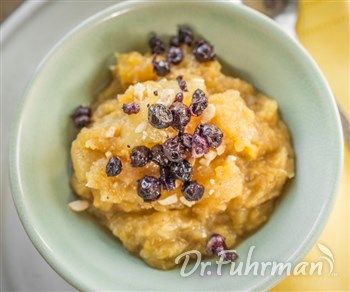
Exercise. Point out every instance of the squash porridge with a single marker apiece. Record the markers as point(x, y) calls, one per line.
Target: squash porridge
point(175, 156)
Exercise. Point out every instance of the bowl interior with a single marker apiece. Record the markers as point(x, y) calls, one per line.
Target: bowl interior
point(74, 244)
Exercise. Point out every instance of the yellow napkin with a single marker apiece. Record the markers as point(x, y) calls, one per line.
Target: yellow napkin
point(323, 28)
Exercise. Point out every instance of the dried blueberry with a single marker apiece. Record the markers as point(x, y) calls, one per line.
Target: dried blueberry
point(181, 115)
point(175, 55)
point(182, 83)
point(199, 146)
point(179, 97)
point(131, 108)
point(230, 256)
point(203, 51)
point(199, 102)
point(158, 155)
point(174, 150)
point(81, 121)
point(148, 188)
point(156, 45)
point(159, 116)
point(114, 166)
point(174, 41)
point(216, 245)
point(211, 133)
point(192, 191)
point(81, 116)
point(166, 178)
point(140, 156)
point(161, 67)
point(185, 35)
point(181, 170)
point(82, 111)
point(186, 140)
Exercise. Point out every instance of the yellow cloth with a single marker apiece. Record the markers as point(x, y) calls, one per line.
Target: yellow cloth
point(323, 28)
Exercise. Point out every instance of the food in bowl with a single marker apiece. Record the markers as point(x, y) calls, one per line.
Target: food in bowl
point(175, 156)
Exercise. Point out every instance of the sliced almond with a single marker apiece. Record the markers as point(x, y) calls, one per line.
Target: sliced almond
point(166, 96)
point(78, 205)
point(108, 154)
point(168, 200)
point(138, 91)
point(90, 144)
point(187, 203)
point(208, 158)
point(231, 158)
point(140, 128)
point(110, 132)
point(209, 113)
point(221, 149)
point(144, 135)
point(210, 155)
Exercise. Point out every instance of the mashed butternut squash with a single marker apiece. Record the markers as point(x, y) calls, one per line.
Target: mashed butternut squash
point(242, 177)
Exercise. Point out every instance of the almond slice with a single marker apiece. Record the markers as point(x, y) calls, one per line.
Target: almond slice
point(168, 200)
point(78, 205)
point(138, 90)
point(231, 157)
point(110, 132)
point(140, 128)
point(209, 113)
point(221, 149)
point(186, 203)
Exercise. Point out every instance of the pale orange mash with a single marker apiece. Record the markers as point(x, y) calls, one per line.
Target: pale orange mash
point(242, 177)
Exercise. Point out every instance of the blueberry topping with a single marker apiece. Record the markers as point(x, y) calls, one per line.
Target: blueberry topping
point(166, 178)
point(199, 102)
point(179, 97)
point(148, 188)
point(159, 116)
point(156, 45)
point(82, 116)
point(81, 121)
point(175, 55)
point(181, 115)
point(174, 41)
point(161, 67)
point(140, 156)
point(131, 108)
point(185, 35)
point(203, 51)
point(155, 92)
point(199, 146)
point(82, 111)
point(114, 166)
point(211, 133)
point(158, 155)
point(186, 140)
point(192, 191)
point(181, 170)
point(216, 245)
point(182, 83)
point(174, 150)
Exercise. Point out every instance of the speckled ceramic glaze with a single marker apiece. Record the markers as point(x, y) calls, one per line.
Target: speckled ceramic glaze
point(251, 46)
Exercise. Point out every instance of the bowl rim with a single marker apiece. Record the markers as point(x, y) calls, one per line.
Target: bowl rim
point(114, 11)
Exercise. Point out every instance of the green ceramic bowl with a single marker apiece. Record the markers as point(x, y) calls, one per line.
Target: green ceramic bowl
point(75, 70)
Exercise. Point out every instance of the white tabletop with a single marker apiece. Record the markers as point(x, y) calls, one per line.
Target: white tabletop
point(26, 37)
